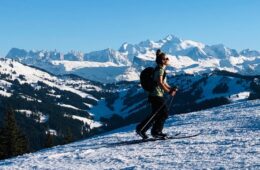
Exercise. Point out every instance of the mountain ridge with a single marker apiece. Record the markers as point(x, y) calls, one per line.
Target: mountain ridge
point(186, 56)
point(39, 99)
point(93, 96)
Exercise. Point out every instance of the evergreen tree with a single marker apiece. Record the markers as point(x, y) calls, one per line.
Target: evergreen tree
point(2, 145)
point(13, 142)
point(68, 137)
point(49, 140)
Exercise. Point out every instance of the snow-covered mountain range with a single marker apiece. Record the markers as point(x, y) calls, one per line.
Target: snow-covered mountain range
point(110, 65)
point(43, 87)
point(228, 140)
point(40, 99)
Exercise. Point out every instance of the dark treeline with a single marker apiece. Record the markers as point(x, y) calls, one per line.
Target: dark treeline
point(13, 141)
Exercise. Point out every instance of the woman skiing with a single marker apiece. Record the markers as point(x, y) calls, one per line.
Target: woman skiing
point(158, 103)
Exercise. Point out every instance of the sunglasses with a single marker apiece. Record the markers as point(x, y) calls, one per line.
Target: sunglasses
point(165, 59)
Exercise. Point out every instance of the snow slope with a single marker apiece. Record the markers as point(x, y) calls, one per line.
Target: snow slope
point(229, 140)
point(57, 91)
point(33, 76)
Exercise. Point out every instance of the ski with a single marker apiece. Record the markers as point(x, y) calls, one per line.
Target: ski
point(176, 136)
point(162, 138)
point(139, 141)
point(179, 136)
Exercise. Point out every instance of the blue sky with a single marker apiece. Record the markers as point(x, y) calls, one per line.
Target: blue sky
point(88, 25)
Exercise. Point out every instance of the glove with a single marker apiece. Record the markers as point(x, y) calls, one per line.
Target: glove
point(174, 88)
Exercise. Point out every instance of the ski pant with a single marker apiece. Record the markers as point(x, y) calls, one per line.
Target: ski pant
point(157, 117)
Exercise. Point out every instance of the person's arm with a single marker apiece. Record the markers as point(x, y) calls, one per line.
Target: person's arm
point(167, 85)
point(164, 85)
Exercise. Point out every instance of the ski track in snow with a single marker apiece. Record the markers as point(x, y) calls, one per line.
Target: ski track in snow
point(229, 139)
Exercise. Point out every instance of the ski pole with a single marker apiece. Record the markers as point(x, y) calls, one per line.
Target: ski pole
point(171, 102)
point(154, 115)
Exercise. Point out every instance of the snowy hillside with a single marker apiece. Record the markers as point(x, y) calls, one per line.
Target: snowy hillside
point(106, 66)
point(86, 108)
point(39, 99)
point(96, 100)
point(25, 74)
point(229, 139)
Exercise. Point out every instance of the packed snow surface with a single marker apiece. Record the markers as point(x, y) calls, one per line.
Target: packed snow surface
point(229, 139)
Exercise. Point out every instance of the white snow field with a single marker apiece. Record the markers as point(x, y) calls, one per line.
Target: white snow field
point(230, 139)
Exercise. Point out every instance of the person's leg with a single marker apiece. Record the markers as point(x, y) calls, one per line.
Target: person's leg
point(160, 118)
point(142, 127)
point(159, 123)
point(146, 124)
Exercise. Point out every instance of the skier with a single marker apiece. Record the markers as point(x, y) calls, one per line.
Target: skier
point(155, 97)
